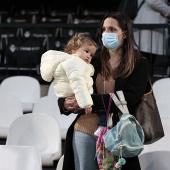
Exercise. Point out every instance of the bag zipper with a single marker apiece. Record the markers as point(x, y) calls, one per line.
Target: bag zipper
point(119, 135)
point(121, 146)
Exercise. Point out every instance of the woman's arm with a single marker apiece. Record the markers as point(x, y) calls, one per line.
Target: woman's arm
point(68, 105)
point(159, 6)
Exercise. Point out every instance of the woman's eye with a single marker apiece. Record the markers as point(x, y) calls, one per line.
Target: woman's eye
point(112, 29)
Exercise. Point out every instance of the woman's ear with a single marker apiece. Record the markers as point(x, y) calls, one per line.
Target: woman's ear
point(124, 35)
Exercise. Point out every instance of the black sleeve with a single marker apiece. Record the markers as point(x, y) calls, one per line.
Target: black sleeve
point(60, 105)
point(101, 103)
point(137, 82)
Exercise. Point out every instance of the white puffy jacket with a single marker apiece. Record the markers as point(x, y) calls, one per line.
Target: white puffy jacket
point(71, 76)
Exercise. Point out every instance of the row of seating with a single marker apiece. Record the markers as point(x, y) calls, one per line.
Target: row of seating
point(21, 48)
point(39, 129)
point(22, 94)
point(28, 90)
point(41, 126)
point(51, 13)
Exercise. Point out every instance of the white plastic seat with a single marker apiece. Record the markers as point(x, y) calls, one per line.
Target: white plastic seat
point(26, 88)
point(19, 158)
point(163, 107)
point(156, 156)
point(51, 90)
point(10, 109)
point(163, 143)
point(161, 88)
point(49, 105)
point(155, 160)
point(60, 163)
point(39, 130)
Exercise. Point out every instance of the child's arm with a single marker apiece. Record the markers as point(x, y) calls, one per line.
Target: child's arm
point(76, 70)
point(49, 62)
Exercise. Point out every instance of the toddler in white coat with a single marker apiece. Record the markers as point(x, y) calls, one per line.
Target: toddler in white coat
point(71, 70)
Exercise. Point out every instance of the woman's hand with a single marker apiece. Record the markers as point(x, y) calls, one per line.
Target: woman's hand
point(70, 104)
point(88, 110)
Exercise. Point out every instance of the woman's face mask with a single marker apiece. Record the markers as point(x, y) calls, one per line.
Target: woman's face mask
point(110, 40)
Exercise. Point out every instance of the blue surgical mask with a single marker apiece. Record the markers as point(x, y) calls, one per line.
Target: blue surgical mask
point(110, 40)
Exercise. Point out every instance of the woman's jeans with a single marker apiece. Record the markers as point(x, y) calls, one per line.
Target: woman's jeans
point(84, 147)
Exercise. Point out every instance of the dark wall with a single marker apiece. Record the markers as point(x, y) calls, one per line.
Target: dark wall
point(108, 5)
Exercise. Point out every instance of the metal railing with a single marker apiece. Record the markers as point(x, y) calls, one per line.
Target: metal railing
point(55, 36)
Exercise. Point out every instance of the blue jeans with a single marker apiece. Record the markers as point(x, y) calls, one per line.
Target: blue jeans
point(84, 147)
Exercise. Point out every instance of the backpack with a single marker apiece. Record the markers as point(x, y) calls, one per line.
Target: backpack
point(126, 138)
point(130, 7)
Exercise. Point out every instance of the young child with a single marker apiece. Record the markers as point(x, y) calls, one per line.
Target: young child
point(71, 70)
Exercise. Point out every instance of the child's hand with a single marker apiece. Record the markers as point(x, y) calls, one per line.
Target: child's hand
point(88, 110)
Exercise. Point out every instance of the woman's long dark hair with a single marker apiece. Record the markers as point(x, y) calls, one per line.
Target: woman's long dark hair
point(129, 55)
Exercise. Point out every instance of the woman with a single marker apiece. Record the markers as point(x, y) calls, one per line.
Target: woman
point(152, 41)
point(117, 67)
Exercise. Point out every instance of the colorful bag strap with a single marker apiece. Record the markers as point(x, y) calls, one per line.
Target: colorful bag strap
point(107, 110)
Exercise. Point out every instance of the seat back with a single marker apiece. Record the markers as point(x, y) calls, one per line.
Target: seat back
point(19, 158)
point(163, 107)
point(39, 130)
point(10, 109)
point(51, 90)
point(49, 105)
point(161, 88)
point(163, 143)
point(155, 160)
point(60, 163)
point(26, 88)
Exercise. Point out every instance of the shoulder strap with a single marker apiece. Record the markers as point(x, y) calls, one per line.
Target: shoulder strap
point(141, 4)
point(120, 104)
point(122, 100)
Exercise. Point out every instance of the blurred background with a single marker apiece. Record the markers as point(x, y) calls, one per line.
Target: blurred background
point(30, 28)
